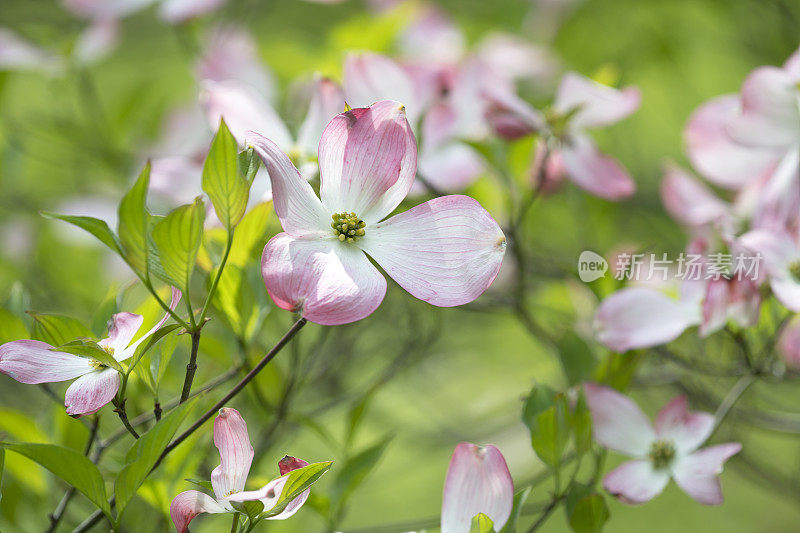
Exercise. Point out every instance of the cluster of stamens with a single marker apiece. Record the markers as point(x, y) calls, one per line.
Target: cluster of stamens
point(348, 227)
point(662, 452)
point(97, 364)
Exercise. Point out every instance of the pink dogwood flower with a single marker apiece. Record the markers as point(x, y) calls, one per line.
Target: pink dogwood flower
point(446, 251)
point(668, 449)
point(781, 261)
point(229, 478)
point(478, 481)
point(31, 361)
point(17, 53)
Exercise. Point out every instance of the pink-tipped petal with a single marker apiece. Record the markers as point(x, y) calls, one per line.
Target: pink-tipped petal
point(446, 251)
point(176, 297)
point(597, 105)
point(243, 110)
point(770, 113)
point(698, 474)
point(289, 463)
point(329, 282)
point(594, 171)
point(689, 201)
point(618, 422)
point(235, 453)
point(640, 317)
point(91, 391)
point(286, 465)
point(636, 482)
point(686, 430)
point(298, 208)
point(715, 154)
point(186, 505)
point(29, 361)
point(121, 330)
point(367, 161)
point(327, 101)
point(177, 11)
point(478, 481)
point(370, 78)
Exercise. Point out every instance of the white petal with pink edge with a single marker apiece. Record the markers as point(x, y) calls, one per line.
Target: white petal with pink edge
point(327, 101)
point(370, 78)
point(636, 482)
point(596, 104)
point(686, 430)
point(91, 391)
point(235, 452)
point(594, 171)
point(187, 505)
point(689, 201)
point(618, 422)
point(698, 474)
point(29, 361)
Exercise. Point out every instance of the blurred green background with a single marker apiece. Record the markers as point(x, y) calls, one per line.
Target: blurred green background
point(432, 377)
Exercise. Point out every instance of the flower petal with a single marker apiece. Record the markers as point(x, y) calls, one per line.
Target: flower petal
point(29, 361)
point(370, 78)
point(593, 171)
point(97, 41)
point(618, 422)
point(451, 167)
point(770, 114)
point(367, 161)
point(186, 505)
point(697, 474)
point(640, 317)
point(789, 344)
point(235, 453)
point(327, 281)
point(243, 110)
point(787, 291)
point(19, 54)
point(779, 196)
point(446, 251)
point(327, 101)
point(177, 11)
point(777, 248)
point(689, 201)
point(715, 154)
point(176, 297)
point(121, 330)
point(598, 105)
point(636, 481)
point(298, 208)
point(478, 481)
point(91, 391)
point(686, 430)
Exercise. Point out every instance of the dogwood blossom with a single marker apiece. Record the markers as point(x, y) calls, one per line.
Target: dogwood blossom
point(446, 251)
point(668, 449)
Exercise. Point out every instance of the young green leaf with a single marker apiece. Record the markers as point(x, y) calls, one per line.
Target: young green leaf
point(550, 433)
point(69, 465)
point(249, 163)
point(481, 524)
point(225, 186)
point(177, 238)
point(56, 330)
point(251, 508)
point(298, 481)
point(519, 500)
point(152, 341)
point(95, 226)
point(202, 484)
point(142, 456)
point(134, 222)
point(586, 510)
point(577, 359)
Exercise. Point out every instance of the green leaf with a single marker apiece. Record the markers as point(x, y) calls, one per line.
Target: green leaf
point(550, 433)
point(201, 483)
point(225, 186)
point(249, 162)
point(577, 358)
point(134, 222)
point(250, 236)
point(355, 470)
point(69, 465)
point(580, 420)
point(92, 350)
point(56, 330)
point(142, 456)
point(617, 370)
point(177, 238)
point(516, 510)
point(144, 347)
point(251, 508)
point(2, 466)
point(95, 226)
point(12, 327)
point(481, 524)
point(299, 480)
point(539, 400)
point(586, 510)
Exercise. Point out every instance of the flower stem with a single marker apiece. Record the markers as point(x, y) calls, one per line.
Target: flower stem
point(191, 367)
point(217, 277)
point(123, 416)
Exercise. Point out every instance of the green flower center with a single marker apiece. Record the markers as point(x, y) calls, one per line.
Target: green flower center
point(662, 452)
point(348, 227)
point(794, 270)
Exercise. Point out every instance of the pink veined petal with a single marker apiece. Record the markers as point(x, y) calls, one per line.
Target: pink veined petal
point(298, 208)
point(636, 482)
point(697, 474)
point(235, 453)
point(286, 465)
point(329, 282)
point(686, 430)
point(618, 422)
point(177, 11)
point(478, 481)
point(779, 197)
point(186, 505)
point(789, 344)
point(121, 330)
point(269, 494)
point(715, 154)
point(91, 391)
point(451, 167)
point(243, 110)
point(29, 361)
point(367, 161)
point(446, 251)
point(689, 201)
point(593, 171)
point(640, 317)
point(598, 105)
point(327, 101)
point(370, 78)
point(770, 113)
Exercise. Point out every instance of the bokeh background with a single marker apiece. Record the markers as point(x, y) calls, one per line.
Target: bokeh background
point(418, 379)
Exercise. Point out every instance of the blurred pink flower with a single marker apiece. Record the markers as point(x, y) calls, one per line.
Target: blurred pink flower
point(229, 478)
point(781, 261)
point(667, 450)
point(691, 202)
point(478, 481)
point(30, 361)
point(789, 344)
point(445, 251)
point(19, 54)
